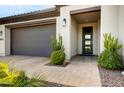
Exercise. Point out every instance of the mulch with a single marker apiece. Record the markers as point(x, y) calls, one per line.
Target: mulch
point(63, 65)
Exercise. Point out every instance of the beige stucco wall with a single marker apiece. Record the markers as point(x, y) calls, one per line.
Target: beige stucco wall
point(57, 27)
point(65, 31)
point(121, 29)
point(2, 41)
point(109, 22)
point(5, 42)
point(112, 20)
point(77, 7)
point(74, 37)
point(95, 37)
point(98, 33)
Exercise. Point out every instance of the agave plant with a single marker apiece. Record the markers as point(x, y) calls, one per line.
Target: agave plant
point(13, 78)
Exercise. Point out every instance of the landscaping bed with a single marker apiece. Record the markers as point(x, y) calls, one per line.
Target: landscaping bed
point(63, 65)
point(111, 78)
point(51, 84)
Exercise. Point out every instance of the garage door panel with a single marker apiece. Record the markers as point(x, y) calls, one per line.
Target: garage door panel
point(34, 41)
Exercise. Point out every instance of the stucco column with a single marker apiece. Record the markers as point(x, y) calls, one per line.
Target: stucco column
point(109, 22)
point(64, 30)
point(121, 30)
point(4, 40)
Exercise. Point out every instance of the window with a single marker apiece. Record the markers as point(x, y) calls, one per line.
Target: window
point(87, 36)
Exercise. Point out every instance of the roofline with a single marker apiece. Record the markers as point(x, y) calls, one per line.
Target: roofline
point(45, 13)
point(29, 13)
point(31, 22)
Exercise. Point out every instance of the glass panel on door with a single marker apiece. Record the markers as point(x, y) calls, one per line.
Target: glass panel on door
point(87, 48)
point(88, 36)
point(87, 42)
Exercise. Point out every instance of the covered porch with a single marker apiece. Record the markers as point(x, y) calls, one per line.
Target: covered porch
point(85, 33)
point(73, 19)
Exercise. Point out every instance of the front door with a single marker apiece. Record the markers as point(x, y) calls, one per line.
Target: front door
point(87, 40)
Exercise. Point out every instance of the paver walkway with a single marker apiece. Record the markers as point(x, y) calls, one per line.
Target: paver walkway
point(82, 71)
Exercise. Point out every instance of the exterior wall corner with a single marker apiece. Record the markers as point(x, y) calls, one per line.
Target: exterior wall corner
point(4, 41)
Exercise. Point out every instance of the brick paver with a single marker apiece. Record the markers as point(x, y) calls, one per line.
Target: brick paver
point(81, 72)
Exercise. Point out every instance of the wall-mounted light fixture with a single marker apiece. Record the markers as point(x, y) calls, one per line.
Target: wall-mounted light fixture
point(1, 32)
point(64, 22)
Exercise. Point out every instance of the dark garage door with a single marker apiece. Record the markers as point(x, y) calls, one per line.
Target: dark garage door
point(32, 41)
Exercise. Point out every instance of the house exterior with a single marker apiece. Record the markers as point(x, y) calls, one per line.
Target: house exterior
point(81, 26)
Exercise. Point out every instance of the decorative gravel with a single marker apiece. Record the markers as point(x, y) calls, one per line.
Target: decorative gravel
point(111, 78)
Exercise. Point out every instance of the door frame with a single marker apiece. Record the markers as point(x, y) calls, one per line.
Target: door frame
point(83, 43)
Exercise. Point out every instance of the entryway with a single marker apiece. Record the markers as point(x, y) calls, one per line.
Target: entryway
point(85, 33)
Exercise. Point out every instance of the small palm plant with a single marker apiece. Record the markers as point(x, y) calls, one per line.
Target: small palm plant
point(13, 78)
point(110, 57)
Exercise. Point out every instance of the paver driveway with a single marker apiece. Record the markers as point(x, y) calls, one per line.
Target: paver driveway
point(82, 71)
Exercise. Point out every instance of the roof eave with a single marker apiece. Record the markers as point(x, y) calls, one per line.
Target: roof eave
point(51, 12)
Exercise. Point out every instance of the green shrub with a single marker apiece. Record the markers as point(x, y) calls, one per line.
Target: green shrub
point(23, 81)
point(6, 76)
point(110, 58)
point(57, 57)
point(13, 78)
point(56, 45)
